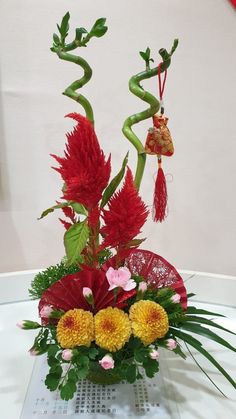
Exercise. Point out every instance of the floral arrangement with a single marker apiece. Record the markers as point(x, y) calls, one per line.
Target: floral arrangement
point(108, 306)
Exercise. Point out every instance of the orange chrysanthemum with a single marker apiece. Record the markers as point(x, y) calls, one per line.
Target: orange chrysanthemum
point(75, 328)
point(149, 321)
point(112, 329)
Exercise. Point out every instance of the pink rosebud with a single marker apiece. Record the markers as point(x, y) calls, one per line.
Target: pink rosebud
point(120, 278)
point(67, 354)
point(20, 324)
point(33, 352)
point(87, 292)
point(107, 362)
point(175, 298)
point(171, 344)
point(46, 311)
point(142, 286)
point(154, 354)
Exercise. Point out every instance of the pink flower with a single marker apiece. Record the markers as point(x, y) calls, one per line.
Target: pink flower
point(142, 286)
point(20, 324)
point(175, 298)
point(67, 354)
point(154, 354)
point(46, 311)
point(88, 295)
point(33, 352)
point(120, 278)
point(171, 344)
point(87, 292)
point(107, 362)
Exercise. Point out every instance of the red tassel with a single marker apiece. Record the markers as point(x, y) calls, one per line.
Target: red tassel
point(160, 195)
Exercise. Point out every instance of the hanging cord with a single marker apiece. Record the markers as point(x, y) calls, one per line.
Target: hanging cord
point(161, 86)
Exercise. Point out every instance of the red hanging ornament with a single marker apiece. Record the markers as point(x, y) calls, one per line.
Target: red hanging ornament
point(159, 143)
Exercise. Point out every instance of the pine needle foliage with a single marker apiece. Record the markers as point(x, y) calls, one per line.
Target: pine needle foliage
point(43, 280)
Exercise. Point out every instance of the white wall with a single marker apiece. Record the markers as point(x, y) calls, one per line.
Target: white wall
point(199, 233)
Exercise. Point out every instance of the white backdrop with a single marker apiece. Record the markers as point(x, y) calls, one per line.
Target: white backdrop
point(199, 233)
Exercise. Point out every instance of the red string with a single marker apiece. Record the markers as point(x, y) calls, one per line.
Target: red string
point(160, 83)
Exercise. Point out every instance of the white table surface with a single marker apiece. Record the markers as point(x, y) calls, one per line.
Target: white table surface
point(195, 395)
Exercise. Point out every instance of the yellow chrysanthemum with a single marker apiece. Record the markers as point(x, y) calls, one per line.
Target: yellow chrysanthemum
point(149, 321)
point(75, 328)
point(112, 328)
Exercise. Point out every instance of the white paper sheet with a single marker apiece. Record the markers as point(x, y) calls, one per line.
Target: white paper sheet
point(147, 398)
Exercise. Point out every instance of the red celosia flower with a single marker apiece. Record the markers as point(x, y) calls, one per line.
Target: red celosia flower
point(126, 215)
point(83, 169)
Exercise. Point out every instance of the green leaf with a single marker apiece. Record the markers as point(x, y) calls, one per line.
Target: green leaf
point(68, 390)
point(72, 375)
point(198, 346)
point(99, 28)
point(56, 370)
point(93, 352)
point(140, 354)
point(131, 373)
point(83, 372)
point(148, 51)
point(52, 350)
point(51, 209)
point(78, 208)
point(52, 361)
point(175, 44)
point(52, 381)
point(194, 310)
point(202, 320)
point(79, 32)
point(151, 366)
point(203, 331)
point(164, 54)
point(114, 183)
point(178, 351)
point(64, 28)
point(75, 240)
point(56, 39)
point(143, 55)
point(190, 295)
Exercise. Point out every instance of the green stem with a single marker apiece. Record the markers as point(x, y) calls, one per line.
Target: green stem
point(70, 91)
point(137, 90)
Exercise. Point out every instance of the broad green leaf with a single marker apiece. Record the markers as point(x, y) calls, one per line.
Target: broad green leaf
point(75, 240)
point(195, 310)
point(140, 354)
point(52, 381)
point(151, 366)
point(51, 209)
point(72, 375)
point(99, 28)
point(114, 183)
point(78, 208)
point(68, 390)
point(203, 331)
point(202, 320)
point(198, 346)
point(83, 372)
point(52, 361)
point(53, 349)
point(131, 373)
